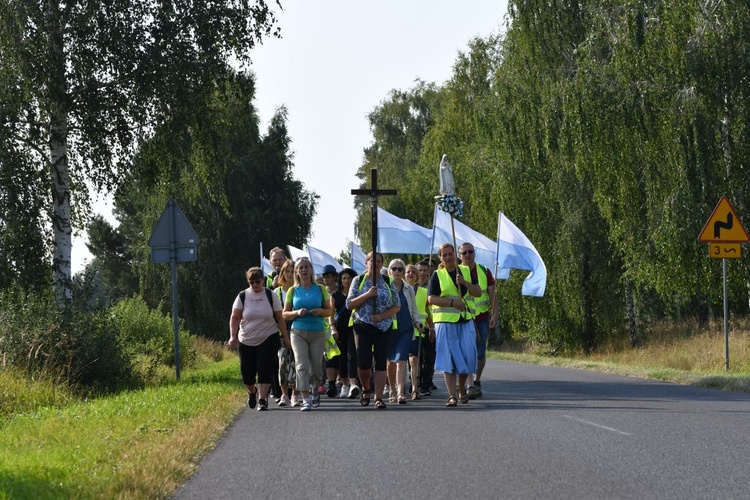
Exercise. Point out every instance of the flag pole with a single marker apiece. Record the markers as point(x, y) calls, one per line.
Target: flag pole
point(432, 241)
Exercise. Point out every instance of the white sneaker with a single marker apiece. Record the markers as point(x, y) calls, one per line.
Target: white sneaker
point(306, 404)
point(296, 399)
point(284, 401)
point(344, 392)
point(354, 391)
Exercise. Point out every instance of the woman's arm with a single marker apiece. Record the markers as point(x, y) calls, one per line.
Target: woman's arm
point(234, 328)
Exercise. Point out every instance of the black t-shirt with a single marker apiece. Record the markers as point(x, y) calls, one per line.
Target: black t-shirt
point(341, 313)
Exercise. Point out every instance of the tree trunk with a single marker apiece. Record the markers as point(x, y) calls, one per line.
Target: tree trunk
point(589, 336)
point(58, 148)
point(630, 306)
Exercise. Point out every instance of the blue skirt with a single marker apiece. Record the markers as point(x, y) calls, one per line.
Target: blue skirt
point(399, 344)
point(456, 348)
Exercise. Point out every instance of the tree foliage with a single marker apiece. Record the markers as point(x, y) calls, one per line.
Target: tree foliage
point(236, 188)
point(606, 131)
point(84, 83)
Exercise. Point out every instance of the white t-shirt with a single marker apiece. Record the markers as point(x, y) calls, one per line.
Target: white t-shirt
point(257, 322)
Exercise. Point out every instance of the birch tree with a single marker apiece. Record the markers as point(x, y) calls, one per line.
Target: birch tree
point(85, 82)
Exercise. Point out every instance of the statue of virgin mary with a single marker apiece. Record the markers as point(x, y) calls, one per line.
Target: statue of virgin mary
point(447, 185)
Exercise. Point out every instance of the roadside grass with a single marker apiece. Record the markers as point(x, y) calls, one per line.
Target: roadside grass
point(137, 444)
point(146, 443)
point(680, 353)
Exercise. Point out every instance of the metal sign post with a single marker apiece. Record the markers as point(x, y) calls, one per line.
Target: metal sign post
point(724, 233)
point(173, 240)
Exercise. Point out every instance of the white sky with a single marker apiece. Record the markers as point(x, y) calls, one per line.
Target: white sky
point(336, 61)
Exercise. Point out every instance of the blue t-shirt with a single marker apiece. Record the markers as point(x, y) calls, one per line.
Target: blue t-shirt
point(308, 298)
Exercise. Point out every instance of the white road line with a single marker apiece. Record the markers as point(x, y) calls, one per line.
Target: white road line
point(598, 425)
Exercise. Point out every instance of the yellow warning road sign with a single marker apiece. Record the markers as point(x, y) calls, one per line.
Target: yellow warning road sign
point(724, 250)
point(723, 226)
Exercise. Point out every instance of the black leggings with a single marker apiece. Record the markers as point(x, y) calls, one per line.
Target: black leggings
point(260, 360)
point(371, 343)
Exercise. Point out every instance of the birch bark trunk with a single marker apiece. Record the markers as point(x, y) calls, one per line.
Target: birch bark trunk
point(58, 149)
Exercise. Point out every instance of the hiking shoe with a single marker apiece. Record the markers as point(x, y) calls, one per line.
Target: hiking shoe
point(354, 391)
point(262, 405)
point(472, 392)
point(344, 392)
point(316, 401)
point(331, 392)
point(284, 401)
point(478, 389)
point(306, 404)
point(251, 398)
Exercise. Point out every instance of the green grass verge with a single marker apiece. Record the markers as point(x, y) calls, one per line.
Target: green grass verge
point(138, 444)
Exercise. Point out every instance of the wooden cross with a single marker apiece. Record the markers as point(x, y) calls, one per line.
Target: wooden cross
point(373, 193)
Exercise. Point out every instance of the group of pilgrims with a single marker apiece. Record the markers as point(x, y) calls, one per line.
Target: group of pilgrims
point(390, 327)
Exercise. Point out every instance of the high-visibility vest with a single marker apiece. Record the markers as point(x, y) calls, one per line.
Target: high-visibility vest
point(449, 290)
point(421, 295)
point(480, 304)
point(361, 277)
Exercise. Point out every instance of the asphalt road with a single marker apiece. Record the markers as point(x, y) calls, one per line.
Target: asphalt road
point(537, 432)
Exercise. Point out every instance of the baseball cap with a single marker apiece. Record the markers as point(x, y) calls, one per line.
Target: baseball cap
point(329, 269)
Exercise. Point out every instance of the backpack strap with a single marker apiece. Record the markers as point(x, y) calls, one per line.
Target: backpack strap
point(269, 296)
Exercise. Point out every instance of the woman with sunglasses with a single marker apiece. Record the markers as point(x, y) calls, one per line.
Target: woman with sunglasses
point(253, 329)
point(456, 351)
point(373, 303)
point(306, 306)
point(400, 341)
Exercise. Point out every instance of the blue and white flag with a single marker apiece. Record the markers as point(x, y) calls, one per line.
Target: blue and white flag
point(484, 248)
point(265, 264)
point(297, 253)
point(397, 235)
point(320, 259)
point(358, 259)
point(515, 251)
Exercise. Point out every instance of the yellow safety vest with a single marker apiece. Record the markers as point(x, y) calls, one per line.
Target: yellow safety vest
point(449, 290)
point(421, 294)
point(480, 304)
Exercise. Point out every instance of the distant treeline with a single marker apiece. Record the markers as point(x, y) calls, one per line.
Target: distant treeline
point(607, 131)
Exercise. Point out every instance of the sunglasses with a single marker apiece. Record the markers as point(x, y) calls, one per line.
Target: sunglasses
point(467, 252)
point(256, 281)
point(397, 269)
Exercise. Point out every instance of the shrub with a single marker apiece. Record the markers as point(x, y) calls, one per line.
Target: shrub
point(73, 346)
point(148, 335)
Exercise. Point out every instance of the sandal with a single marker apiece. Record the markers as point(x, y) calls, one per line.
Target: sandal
point(379, 404)
point(401, 399)
point(464, 399)
point(415, 396)
point(452, 401)
point(364, 398)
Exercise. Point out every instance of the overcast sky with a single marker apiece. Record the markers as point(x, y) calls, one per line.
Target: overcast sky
point(336, 61)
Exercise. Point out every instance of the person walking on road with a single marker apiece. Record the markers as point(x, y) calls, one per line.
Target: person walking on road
point(374, 303)
point(287, 370)
point(307, 305)
point(456, 348)
point(254, 327)
point(345, 336)
point(485, 313)
point(400, 347)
